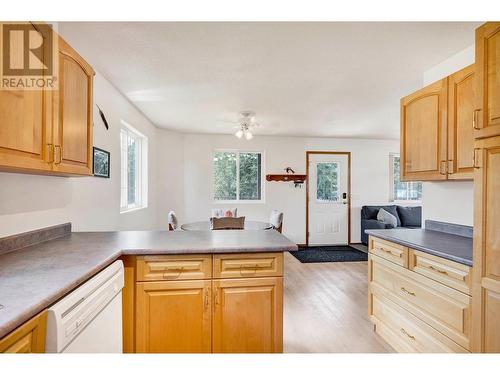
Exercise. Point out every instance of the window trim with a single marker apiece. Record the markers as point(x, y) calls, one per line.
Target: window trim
point(142, 180)
point(262, 199)
point(391, 183)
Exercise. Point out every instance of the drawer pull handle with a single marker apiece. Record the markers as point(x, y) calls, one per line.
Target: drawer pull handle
point(438, 270)
point(407, 334)
point(389, 252)
point(407, 291)
point(216, 295)
point(207, 302)
point(175, 276)
point(251, 268)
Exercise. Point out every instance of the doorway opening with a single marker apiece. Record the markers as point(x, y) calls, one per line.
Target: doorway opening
point(328, 198)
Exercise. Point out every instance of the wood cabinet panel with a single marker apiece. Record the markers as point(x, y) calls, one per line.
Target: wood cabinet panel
point(486, 271)
point(460, 124)
point(25, 130)
point(423, 133)
point(174, 317)
point(492, 320)
point(488, 80)
point(174, 267)
point(248, 315)
point(73, 113)
point(406, 333)
point(29, 338)
point(248, 265)
point(443, 308)
point(452, 274)
point(388, 250)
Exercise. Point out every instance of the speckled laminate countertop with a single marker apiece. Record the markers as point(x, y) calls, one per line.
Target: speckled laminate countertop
point(444, 245)
point(33, 278)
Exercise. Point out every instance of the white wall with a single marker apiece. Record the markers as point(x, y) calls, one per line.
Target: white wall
point(370, 176)
point(29, 201)
point(170, 176)
point(449, 201)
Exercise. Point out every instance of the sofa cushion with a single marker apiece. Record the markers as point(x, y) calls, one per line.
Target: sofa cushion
point(410, 216)
point(387, 218)
point(371, 212)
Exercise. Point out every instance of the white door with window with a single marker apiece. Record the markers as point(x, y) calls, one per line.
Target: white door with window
point(328, 199)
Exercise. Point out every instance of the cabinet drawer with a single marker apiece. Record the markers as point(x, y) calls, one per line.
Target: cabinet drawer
point(443, 308)
point(228, 266)
point(455, 275)
point(174, 267)
point(388, 250)
point(407, 333)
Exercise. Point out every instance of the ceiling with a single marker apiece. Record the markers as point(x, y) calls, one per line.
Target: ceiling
point(302, 79)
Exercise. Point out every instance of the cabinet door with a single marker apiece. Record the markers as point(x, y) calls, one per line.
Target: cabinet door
point(29, 338)
point(486, 270)
point(73, 114)
point(174, 317)
point(25, 139)
point(460, 125)
point(248, 315)
point(487, 113)
point(423, 133)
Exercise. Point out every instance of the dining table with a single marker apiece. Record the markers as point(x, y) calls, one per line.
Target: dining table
point(205, 225)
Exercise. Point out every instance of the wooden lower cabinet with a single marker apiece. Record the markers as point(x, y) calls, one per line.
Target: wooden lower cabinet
point(224, 315)
point(174, 317)
point(29, 338)
point(248, 315)
point(486, 275)
point(420, 307)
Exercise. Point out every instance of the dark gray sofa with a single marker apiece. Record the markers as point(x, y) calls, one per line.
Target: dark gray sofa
point(408, 217)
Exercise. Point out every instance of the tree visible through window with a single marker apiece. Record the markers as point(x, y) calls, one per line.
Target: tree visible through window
point(403, 191)
point(237, 176)
point(327, 180)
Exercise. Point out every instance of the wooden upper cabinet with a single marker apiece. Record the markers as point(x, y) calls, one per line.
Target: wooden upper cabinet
point(486, 270)
point(50, 131)
point(487, 111)
point(29, 338)
point(73, 113)
point(423, 133)
point(174, 317)
point(460, 124)
point(248, 315)
point(24, 130)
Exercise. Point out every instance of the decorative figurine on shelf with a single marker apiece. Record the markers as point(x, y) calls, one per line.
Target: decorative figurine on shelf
point(289, 170)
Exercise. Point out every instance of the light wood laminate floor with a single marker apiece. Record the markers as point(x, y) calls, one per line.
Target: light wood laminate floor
point(325, 309)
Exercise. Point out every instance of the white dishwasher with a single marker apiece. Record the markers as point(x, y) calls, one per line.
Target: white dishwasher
point(89, 319)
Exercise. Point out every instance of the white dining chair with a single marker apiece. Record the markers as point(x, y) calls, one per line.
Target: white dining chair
point(276, 220)
point(173, 223)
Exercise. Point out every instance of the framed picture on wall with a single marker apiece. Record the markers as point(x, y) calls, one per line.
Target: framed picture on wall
point(101, 163)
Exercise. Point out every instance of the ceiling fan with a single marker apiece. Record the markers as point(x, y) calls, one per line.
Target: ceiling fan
point(245, 125)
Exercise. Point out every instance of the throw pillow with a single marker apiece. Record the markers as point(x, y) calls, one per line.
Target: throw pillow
point(387, 218)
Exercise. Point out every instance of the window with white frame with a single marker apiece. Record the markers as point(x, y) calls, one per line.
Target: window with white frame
point(134, 169)
point(402, 191)
point(237, 176)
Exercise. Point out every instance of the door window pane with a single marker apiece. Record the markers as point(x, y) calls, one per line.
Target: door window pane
point(327, 188)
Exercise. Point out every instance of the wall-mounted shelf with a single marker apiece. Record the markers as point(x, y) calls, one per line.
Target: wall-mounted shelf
point(295, 178)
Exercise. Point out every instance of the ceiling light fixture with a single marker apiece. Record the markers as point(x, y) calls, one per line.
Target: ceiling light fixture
point(245, 124)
